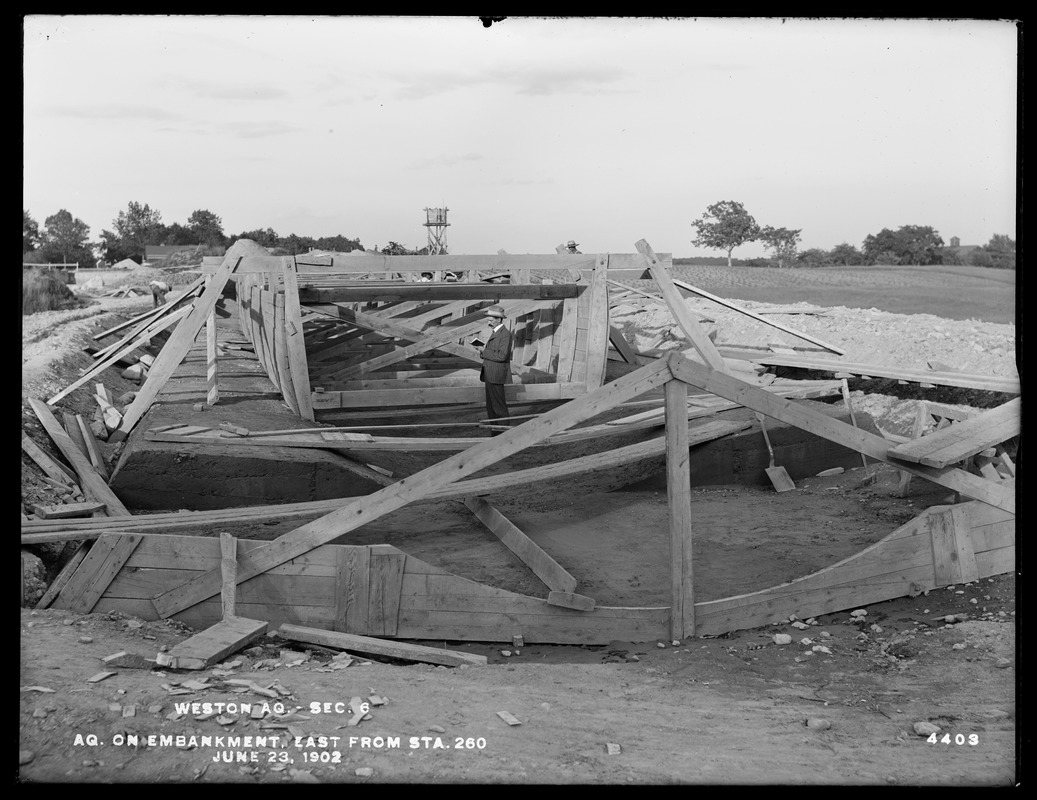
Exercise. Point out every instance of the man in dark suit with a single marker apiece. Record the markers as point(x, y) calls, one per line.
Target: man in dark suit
point(496, 365)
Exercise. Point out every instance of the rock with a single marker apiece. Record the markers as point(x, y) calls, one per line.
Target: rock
point(506, 653)
point(25, 756)
point(437, 728)
point(782, 638)
point(364, 772)
point(33, 579)
point(661, 645)
point(926, 728)
point(859, 613)
point(135, 373)
point(876, 629)
point(818, 724)
point(800, 625)
point(820, 648)
point(958, 646)
point(825, 473)
point(613, 749)
point(676, 643)
point(86, 639)
point(1003, 663)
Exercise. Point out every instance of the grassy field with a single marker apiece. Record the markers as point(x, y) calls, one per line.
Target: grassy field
point(43, 290)
point(944, 291)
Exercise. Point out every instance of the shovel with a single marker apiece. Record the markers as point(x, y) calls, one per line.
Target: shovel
point(780, 479)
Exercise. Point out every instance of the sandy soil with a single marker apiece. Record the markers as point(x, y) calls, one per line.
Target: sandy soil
point(734, 709)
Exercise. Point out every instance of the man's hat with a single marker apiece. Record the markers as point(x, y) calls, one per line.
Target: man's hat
point(495, 311)
point(571, 243)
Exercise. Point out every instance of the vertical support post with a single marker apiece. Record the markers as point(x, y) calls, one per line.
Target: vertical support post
point(212, 376)
point(229, 572)
point(678, 493)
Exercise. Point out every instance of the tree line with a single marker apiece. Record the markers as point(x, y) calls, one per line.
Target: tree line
point(726, 225)
point(64, 238)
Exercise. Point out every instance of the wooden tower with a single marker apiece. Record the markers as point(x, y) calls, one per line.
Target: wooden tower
point(435, 221)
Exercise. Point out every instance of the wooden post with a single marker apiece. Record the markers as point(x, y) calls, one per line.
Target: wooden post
point(678, 492)
point(853, 418)
point(229, 570)
point(212, 371)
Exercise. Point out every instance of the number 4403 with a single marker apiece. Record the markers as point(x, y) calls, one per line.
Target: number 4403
point(958, 738)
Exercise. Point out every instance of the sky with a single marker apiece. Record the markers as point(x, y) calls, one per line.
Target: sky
point(532, 131)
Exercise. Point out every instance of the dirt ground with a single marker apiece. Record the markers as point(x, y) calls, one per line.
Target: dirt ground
point(736, 709)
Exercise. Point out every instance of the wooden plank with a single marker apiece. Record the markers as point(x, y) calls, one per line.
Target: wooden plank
point(988, 383)
point(597, 324)
point(374, 263)
point(55, 470)
point(567, 339)
point(93, 450)
point(965, 439)
point(66, 573)
point(229, 572)
point(385, 583)
point(577, 602)
point(211, 646)
point(173, 352)
point(99, 568)
point(691, 329)
point(623, 346)
point(495, 292)
point(514, 393)
point(380, 647)
point(284, 370)
point(352, 584)
point(71, 426)
point(728, 304)
point(212, 368)
point(295, 340)
point(678, 492)
point(419, 485)
point(541, 564)
point(96, 369)
point(872, 445)
point(92, 483)
point(954, 560)
point(65, 510)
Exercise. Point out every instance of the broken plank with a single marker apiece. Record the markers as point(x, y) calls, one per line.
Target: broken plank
point(963, 440)
point(92, 483)
point(380, 647)
point(577, 602)
point(53, 469)
point(63, 510)
point(92, 448)
point(529, 552)
point(214, 644)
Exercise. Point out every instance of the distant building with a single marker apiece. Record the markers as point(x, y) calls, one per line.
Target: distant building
point(958, 251)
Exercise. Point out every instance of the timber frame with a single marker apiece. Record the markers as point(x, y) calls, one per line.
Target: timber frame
point(380, 590)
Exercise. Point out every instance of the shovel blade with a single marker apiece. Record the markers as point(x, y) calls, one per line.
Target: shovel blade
point(780, 479)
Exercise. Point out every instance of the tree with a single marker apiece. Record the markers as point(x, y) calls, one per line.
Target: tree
point(264, 238)
point(339, 244)
point(138, 226)
point(206, 226)
point(30, 233)
point(396, 249)
point(294, 244)
point(999, 252)
point(909, 244)
point(813, 257)
point(725, 226)
point(64, 238)
point(782, 244)
point(845, 254)
point(177, 234)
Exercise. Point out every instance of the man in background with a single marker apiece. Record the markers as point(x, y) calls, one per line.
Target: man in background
point(570, 247)
point(159, 290)
point(496, 365)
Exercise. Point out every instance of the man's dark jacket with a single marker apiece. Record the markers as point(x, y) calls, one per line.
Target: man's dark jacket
point(496, 358)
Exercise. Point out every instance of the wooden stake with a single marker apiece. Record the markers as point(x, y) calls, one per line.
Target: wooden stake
point(229, 570)
point(678, 492)
point(853, 418)
point(212, 370)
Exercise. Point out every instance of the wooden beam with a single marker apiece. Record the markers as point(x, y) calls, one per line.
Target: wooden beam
point(93, 485)
point(67, 571)
point(229, 572)
point(438, 291)
point(703, 344)
point(295, 339)
point(55, 470)
point(873, 446)
point(419, 485)
point(98, 569)
point(378, 263)
point(213, 645)
point(150, 316)
point(963, 440)
point(553, 574)
point(173, 352)
point(623, 346)
point(65, 510)
point(678, 493)
point(954, 559)
point(597, 324)
point(101, 366)
point(212, 365)
point(990, 383)
point(728, 304)
point(577, 602)
point(379, 647)
point(93, 450)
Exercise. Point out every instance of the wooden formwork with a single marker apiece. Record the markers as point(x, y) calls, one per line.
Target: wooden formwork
point(361, 333)
point(302, 578)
